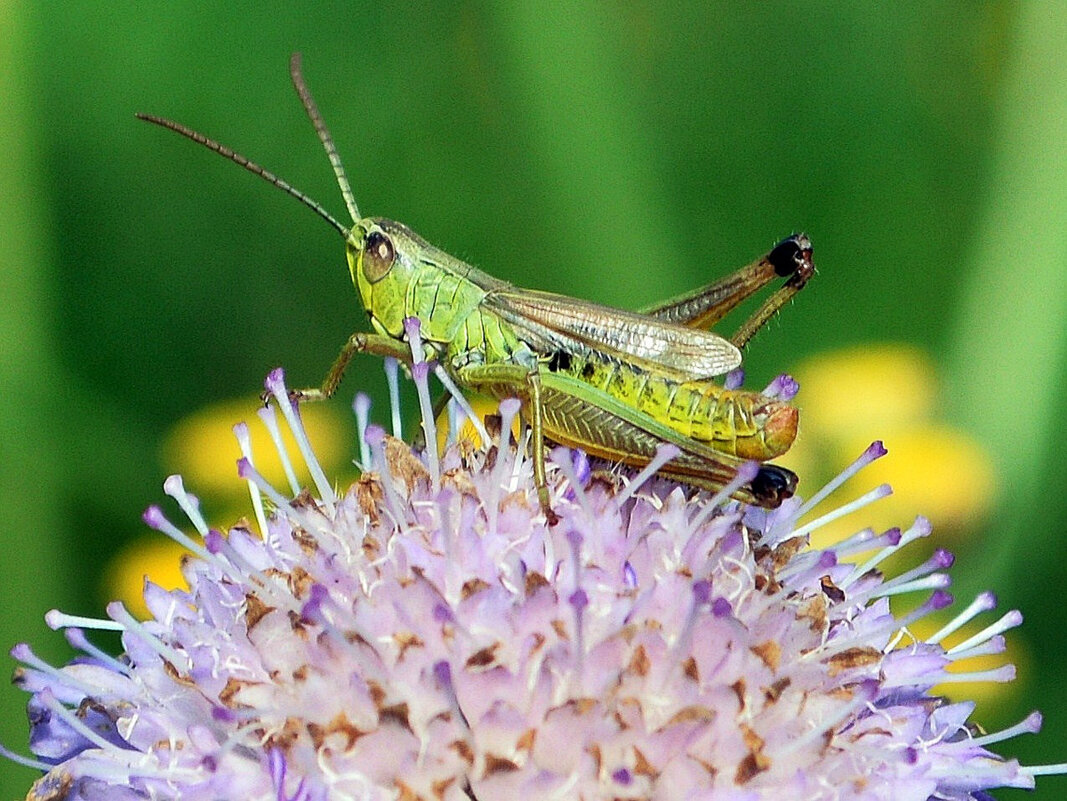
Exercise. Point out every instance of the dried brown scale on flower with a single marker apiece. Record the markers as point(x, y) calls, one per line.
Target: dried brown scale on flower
point(404, 465)
point(774, 692)
point(830, 591)
point(370, 495)
point(853, 658)
point(769, 653)
point(255, 609)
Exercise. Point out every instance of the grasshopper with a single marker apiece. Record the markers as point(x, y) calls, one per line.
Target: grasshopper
point(614, 383)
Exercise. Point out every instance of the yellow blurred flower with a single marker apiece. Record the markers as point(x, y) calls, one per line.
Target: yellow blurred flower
point(202, 447)
point(150, 556)
point(483, 407)
point(866, 388)
point(849, 398)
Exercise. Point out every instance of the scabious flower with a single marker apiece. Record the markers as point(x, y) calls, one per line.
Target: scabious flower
point(424, 634)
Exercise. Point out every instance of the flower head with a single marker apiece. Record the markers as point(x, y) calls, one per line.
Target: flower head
point(424, 634)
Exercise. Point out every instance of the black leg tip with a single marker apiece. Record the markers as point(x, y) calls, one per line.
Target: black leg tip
point(792, 255)
point(772, 485)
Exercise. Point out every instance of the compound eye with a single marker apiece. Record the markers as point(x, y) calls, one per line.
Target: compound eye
point(378, 256)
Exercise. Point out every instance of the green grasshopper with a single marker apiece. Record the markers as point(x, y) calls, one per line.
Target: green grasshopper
point(615, 383)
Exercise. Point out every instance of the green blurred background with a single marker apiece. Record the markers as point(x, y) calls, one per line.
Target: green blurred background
point(621, 152)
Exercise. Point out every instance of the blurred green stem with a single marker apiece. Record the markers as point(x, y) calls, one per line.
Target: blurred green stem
point(1008, 350)
point(30, 482)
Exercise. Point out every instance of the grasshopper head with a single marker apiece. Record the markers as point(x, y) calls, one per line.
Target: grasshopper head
point(382, 260)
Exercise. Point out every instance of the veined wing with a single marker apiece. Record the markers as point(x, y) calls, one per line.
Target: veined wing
point(552, 321)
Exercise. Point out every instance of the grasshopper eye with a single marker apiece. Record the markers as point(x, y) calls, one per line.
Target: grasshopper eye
point(378, 256)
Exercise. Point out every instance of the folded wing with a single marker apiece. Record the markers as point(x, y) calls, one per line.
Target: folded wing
point(552, 322)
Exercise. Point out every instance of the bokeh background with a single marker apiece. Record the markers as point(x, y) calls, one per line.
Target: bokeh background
point(619, 152)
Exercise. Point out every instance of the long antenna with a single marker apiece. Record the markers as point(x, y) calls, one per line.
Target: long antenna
point(324, 134)
point(253, 168)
